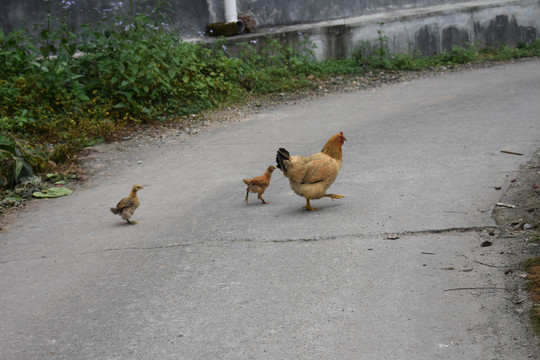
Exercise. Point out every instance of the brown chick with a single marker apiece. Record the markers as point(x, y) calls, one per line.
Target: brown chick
point(259, 184)
point(311, 176)
point(127, 206)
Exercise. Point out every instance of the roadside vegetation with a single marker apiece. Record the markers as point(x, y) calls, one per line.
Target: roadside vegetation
point(64, 89)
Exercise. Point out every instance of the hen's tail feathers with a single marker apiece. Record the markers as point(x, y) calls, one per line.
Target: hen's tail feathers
point(281, 156)
point(114, 211)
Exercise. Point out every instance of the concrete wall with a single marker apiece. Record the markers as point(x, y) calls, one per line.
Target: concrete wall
point(337, 27)
point(272, 13)
point(430, 29)
point(192, 16)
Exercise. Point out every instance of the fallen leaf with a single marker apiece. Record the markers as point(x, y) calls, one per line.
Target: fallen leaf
point(52, 192)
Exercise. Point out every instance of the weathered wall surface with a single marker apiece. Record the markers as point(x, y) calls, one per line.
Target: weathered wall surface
point(191, 16)
point(430, 29)
point(272, 13)
point(337, 27)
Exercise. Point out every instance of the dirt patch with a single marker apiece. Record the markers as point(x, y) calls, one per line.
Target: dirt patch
point(518, 211)
point(518, 218)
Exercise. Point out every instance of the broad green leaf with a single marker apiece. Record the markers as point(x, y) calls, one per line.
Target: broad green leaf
point(44, 50)
point(82, 96)
point(8, 148)
point(52, 192)
point(18, 167)
point(54, 177)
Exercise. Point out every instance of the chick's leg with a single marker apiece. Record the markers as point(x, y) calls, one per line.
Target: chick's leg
point(308, 206)
point(126, 214)
point(247, 194)
point(260, 198)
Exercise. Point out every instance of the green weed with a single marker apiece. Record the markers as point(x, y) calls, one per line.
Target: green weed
point(13, 163)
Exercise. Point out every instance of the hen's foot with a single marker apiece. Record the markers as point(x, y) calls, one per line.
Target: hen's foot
point(308, 206)
point(334, 196)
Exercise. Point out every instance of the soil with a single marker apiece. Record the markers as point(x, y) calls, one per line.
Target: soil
point(518, 220)
point(518, 212)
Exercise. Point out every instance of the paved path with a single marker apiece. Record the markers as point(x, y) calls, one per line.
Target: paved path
point(205, 276)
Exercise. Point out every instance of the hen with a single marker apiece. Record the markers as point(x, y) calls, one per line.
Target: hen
point(311, 176)
point(127, 206)
point(259, 184)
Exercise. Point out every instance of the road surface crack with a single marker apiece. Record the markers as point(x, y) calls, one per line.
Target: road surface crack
point(472, 229)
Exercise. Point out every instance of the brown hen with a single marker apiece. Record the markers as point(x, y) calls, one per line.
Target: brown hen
point(311, 176)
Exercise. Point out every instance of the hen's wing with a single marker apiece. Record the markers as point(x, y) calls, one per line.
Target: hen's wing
point(313, 169)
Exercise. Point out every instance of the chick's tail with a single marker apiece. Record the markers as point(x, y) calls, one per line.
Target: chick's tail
point(114, 211)
point(247, 181)
point(282, 156)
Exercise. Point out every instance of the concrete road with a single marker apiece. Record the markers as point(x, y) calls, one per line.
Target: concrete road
point(205, 276)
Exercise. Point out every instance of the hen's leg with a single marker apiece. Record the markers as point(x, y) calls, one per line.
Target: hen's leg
point(247, 194)
point(308, 206)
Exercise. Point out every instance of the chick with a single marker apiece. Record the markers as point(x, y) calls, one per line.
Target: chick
point(127, 206)
point(259, 184)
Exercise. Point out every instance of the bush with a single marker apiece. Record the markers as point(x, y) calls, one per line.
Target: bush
point(134, 69)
